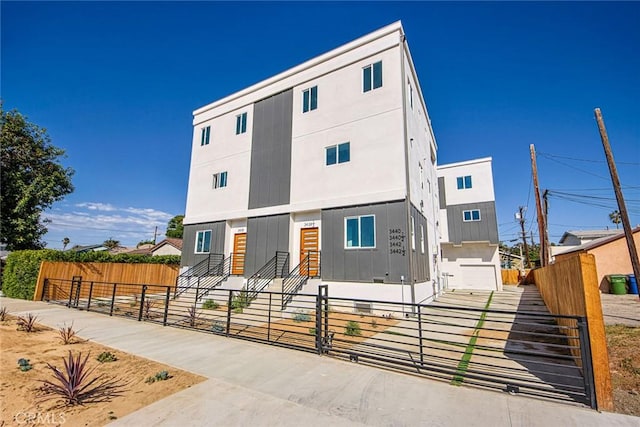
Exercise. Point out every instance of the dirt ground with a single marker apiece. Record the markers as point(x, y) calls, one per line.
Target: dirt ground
point(623, 343)
point(19, 390)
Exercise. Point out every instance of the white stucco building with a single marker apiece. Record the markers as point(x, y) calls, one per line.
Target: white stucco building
point(332, 162)
point(469, 229)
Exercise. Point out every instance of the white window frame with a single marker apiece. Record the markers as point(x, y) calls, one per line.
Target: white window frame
point(359, 218)
point(421, 238)
point(471, 211)
point(464, 182)
point(413, 233)
point(371, 74)
point(337, 147)
point(309, 108)
point(203, 232)
point(205, 136)
point(217, 178)
point(241, 119)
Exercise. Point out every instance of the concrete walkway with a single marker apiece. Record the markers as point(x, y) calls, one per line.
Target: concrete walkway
point(260, 385)
point(621, 309)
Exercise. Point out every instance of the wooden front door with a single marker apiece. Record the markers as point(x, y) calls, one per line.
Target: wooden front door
point(239, 249)
point(309, 246)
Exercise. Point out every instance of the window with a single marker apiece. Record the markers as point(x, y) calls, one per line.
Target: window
point(241, 123)
point(410, 96)
point(360, 231)
point(421, 238)
point(310, 99)
point(413, 233)
point(219, 180)
point(464, 182)
point(472, 215)
point(206, 132)
point(340, 153)
point(372, 76)
point(421, 175)
point(203, 242)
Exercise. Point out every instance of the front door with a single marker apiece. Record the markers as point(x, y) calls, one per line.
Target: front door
point(239, 249)
point(309, 246)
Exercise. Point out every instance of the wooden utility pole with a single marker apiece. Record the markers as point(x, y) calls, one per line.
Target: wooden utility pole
point(524, 236)
point(626, 225)
point(544, 259)
point(155, 235)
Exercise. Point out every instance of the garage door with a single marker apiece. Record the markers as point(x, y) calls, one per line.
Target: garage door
point(478, 277)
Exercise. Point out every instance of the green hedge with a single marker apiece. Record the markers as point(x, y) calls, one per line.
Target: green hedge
point(21, 272)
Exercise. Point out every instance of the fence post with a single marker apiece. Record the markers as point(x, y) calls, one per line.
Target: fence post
point(45, 290)
point(144, 291)
point(229, 311)
point(166, 306)
point(195, 303)
point(587, 363)
point(269, 320)
point(113, 299)
point(319, 322)
point(322, 317)
point(90, 294)
point(420, 335)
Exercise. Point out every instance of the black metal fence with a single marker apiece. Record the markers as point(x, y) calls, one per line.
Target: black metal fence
point(512, 351)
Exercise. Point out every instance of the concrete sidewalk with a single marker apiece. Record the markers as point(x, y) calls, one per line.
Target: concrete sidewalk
point(260, 385)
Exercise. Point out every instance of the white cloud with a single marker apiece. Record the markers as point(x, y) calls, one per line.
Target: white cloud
point(92, 222)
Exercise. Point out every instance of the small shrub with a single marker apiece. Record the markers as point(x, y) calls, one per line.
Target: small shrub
point(160, 376)
point(106, 357)
point(148, 305)
point(240, 301)
point(217, 326)
point(3, 314)
point(210, 305)
point(67, 334)
point(76, 386)
point(192, 316)
point(301, 316)
point(312, 331)
point(27, 323)
point(352, 328)
point(24, 365)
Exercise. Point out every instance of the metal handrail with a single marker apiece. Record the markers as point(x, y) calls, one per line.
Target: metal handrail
point(294, 281)
point(201, 269)
point(278, 266)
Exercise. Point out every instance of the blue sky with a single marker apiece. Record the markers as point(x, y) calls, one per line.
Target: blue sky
point(115, 84)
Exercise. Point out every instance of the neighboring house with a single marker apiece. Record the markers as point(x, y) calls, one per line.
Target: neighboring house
point(611, 254)
point(88, 248)
point(333, 160)
point(573, 238)
point(468, 225)
point(168, 246)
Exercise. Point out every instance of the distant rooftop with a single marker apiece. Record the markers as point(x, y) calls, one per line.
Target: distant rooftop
point(588, 234)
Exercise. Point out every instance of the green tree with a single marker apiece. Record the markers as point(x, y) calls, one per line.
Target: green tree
point(110, 243)
point(32, 178)
point(174, 227)
point(615, 218)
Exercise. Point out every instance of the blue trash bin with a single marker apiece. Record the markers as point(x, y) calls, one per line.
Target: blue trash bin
point(633, 285)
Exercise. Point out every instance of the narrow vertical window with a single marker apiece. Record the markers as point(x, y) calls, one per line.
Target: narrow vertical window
point(344, 152)
point(204, 137)
point(467, 181)
point(413, 233)
point(410, 96)
point(332, 155)
point(310, 99)
point(377, 75)
point(352, 233)
point(366, 78)
point(219, 180)
point(241, 123)
point(421, 238)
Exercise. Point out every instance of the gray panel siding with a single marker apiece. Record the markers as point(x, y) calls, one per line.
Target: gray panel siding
point(265, 236)
point(363, 265)
point(484, 230)
point(270, 180)
point(442, 193)
point(189, 257)
point(420, 260)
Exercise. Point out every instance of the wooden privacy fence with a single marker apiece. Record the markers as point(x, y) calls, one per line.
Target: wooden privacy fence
point(148, 274)
point(570, 287)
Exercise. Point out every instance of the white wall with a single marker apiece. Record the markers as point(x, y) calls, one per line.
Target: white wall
point(167, 249)
point(458, 260)
point(481, 177)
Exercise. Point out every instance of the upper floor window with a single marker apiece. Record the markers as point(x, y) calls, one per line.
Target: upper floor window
point(464, 182)
point(241, 123)
point(219, 180)
point(421, 238)
point(472, 215)
point(206, 133)
point(360, 231)
point(410, 96)
point(372, 76)
point(340, 153)
point(203, 242)
point(310, 99)
point(413, 233)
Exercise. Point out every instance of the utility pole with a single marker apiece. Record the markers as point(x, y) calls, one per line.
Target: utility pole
point(626, 225)
point(155, 234)
point(541, 220)
point(520, 216)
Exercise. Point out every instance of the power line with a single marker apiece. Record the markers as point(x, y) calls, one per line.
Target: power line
point(578, 169)
point(549, 156)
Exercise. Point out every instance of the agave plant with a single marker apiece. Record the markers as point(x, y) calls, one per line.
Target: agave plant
point(27, 323)
point(3, 314)
point(75, 384)
point(67, 334)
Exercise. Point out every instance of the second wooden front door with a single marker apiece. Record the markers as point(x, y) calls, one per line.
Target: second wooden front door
point(309, 246)
point(239, 249)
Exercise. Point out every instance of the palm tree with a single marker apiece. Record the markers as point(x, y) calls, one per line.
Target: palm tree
point(110, 243)
point(65, 242)
point(615, 217)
